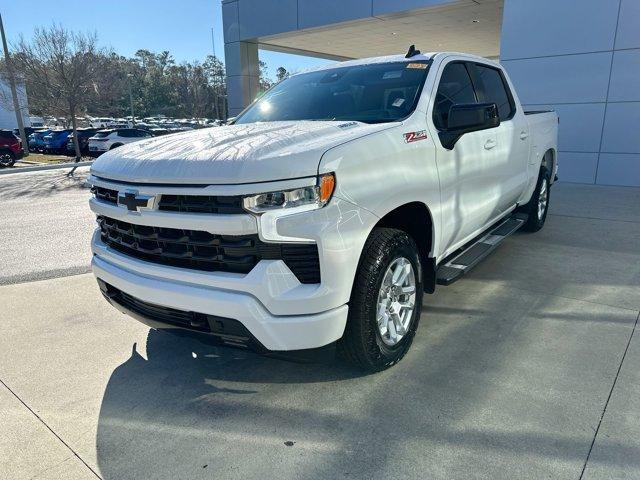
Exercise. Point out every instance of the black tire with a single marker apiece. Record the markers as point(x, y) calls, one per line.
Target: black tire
point(116, 145)
point(7, 159)
point(362, 342)
point(536, 218)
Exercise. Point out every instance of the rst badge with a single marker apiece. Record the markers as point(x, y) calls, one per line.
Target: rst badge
point(415, 136)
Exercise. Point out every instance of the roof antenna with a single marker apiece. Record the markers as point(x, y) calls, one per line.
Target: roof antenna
point(412, 52)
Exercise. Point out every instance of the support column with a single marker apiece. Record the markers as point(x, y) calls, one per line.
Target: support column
point(243, 73)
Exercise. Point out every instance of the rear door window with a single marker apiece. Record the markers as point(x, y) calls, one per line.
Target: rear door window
point(455, 87)
point(495, 90)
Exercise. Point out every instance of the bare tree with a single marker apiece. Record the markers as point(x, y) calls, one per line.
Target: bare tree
point(62, 66)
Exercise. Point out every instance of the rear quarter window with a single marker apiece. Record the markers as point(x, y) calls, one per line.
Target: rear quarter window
point(496, 91)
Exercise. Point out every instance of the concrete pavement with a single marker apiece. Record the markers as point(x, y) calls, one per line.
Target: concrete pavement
point(45, 225)
point(526, 368)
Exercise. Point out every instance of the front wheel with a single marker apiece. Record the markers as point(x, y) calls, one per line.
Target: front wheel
point(538, 206)
point(7, 159)
point(386, 301)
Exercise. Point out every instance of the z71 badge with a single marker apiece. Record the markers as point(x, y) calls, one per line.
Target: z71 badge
point(415, 136)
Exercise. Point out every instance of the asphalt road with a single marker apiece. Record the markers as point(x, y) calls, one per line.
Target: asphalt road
point(45, 225)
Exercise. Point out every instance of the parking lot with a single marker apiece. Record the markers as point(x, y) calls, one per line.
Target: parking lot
point(527, 368)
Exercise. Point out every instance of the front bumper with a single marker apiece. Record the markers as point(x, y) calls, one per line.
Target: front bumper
point(274, 333)
point(278, 311)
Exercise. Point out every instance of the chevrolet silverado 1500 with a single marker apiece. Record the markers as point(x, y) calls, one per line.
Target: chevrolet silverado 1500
point(327, 209)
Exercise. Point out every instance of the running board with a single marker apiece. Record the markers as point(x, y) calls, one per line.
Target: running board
point(455, 268)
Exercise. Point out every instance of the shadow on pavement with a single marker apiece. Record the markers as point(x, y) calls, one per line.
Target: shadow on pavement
point(41, 184)
point(480, 391)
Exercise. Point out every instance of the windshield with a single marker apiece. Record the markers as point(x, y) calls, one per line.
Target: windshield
point(374, 93)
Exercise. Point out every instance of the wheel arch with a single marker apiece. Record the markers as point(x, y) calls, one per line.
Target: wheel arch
point(550, 161)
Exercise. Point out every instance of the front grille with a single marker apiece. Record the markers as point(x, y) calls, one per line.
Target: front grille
point(105, 194)
point(202, 204)
point(205, 251)
point(220, 205)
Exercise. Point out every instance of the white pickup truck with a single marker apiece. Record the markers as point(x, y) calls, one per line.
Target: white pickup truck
point(327, 209)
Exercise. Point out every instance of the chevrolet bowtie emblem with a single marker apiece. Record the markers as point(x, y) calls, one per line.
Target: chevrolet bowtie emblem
point(134, 202)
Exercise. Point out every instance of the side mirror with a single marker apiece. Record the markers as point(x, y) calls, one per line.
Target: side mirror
point(468, 117)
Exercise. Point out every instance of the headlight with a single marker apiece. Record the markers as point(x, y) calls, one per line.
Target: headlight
point(317, 195)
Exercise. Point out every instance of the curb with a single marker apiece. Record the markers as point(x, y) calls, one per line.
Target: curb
point(57, 166)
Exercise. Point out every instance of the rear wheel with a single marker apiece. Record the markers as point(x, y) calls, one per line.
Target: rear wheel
point(115, 145)
point(538, 206)
point(386, 301)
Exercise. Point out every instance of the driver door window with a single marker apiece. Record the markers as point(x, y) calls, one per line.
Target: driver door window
point(455, 87)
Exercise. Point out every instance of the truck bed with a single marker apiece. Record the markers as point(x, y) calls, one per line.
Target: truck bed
point(543, 127)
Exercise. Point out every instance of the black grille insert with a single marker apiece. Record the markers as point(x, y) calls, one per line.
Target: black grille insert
point(220, 205)
point(205, 251)
point(202, 204)
point(105, 194)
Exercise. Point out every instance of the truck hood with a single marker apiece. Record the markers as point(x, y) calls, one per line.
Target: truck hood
point(232, 154)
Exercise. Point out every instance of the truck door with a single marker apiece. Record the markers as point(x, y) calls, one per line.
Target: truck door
point(468, 188)
point(512, 135)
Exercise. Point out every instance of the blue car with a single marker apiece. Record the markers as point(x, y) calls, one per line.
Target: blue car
point(36, 140)
point(56, 141)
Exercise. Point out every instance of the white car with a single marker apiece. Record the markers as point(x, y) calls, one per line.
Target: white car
point(327, 209)
point(109, 139)
point(102, 122)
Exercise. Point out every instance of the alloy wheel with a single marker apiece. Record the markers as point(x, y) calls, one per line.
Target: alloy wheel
point(396, 301)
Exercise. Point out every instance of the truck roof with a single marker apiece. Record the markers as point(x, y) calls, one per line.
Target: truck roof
point(393, 59)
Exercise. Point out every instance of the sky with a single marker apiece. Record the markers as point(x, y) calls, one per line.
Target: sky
point(183, 27)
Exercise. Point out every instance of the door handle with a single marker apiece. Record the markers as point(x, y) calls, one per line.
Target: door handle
point(489, 144)
point(524, 135)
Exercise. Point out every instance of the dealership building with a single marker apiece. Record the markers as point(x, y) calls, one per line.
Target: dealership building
point(580, 58)
point(8, 119)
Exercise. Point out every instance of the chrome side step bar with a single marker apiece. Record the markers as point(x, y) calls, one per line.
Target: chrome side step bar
point(453, 269)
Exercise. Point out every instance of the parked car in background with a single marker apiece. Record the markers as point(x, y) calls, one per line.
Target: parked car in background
point(27, 131)
point(36, 140)
point(36, 121)
point(109, 139)
point(56, 141)
point(83, 139)
point(157, 131)
point(102, 122)
point(10, 148)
